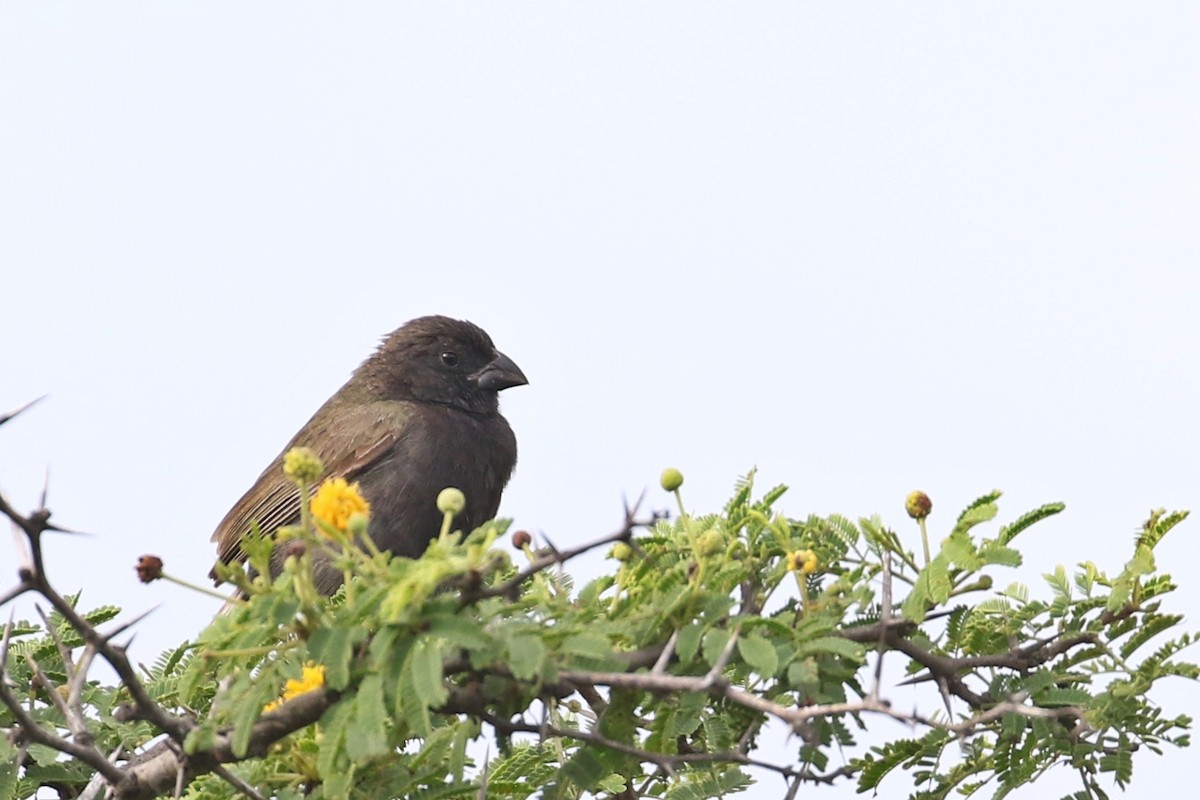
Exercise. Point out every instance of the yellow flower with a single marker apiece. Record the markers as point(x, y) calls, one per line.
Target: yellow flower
point(311, 677)
point(803, 561)
point(336, 501)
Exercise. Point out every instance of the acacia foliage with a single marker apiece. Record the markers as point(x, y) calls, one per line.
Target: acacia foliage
point(655, 679)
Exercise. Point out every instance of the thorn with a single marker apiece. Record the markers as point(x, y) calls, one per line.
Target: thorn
point(45, 488)
point(631, 511)
point(6, 417)
point(68, 531)
point(127, 625)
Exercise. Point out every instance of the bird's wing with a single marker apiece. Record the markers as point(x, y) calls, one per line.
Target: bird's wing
point(347, 442)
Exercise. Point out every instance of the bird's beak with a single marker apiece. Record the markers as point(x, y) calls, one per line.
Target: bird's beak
point(500, 373)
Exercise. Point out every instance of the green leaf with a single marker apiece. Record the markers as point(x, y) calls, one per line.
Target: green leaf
point(366, 735)
point(959, 549)
point(1142, 562)
point(759, 654)
point(974, 516)
point(1148, 630)
point(333, 648)
point(338, 785)
point(425, 664)
point(526, 655)
point(1059, 697)
point(1058, 582)
point(1085, 579)
point(832, 644)
point(8, 771)
point(714, 644)
point(460, 630)
point(1158, 525)
point(995, 553)
point(1120, 763)
point(913, 607)
point(333, 728)
point(413, 706)
point(589, 643)
point(982, 501)
point(803, 674)
point(1121, 593)
point(613, 784)
point(1017, 591)
point(686, 717)
point(717, 782)
point(1010, 531)
point(939, 580)
point(584, 769)
point(1012, 725)
point(688, 642)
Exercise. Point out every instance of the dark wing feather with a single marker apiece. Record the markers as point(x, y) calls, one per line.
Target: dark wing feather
point(348, 440)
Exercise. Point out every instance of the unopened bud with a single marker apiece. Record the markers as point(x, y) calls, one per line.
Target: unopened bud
point(149, 568)
point(671, 479)
point(918, 505)
point(451, 501)
point(302, 464)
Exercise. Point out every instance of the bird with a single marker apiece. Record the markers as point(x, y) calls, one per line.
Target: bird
point(418, 415)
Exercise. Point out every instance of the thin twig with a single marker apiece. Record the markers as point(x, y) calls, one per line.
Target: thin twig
point(238, 783)
point(555, 557)
point(886, 614)
point(33, 732)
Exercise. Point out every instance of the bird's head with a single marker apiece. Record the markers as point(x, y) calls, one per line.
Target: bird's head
point(441, 360)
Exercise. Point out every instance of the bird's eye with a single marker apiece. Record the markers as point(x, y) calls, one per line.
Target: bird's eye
point(449, 358)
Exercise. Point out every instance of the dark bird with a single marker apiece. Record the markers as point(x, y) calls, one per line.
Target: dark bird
point(417, 416)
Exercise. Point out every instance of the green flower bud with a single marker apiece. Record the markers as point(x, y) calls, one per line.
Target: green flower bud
point(710, 543)
point(621, 551)
point(356, 525)
point(451, 501)
point(302, 465)
point(671, 479)
point(918, 505)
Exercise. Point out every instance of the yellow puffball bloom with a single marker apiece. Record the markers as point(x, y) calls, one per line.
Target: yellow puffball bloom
point(802, 561)
point(336, 501)
point(311, 677)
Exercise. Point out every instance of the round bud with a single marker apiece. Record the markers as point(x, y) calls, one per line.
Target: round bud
point(621, 551)
point(918, 505)
point(302, 464)
point(356, 525)
point(671, 479)
point(149, 568)
point(710, 543)
point(451, 501)
point(521, 540)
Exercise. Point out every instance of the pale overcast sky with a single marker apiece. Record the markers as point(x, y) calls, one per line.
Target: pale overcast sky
point(865, 247)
